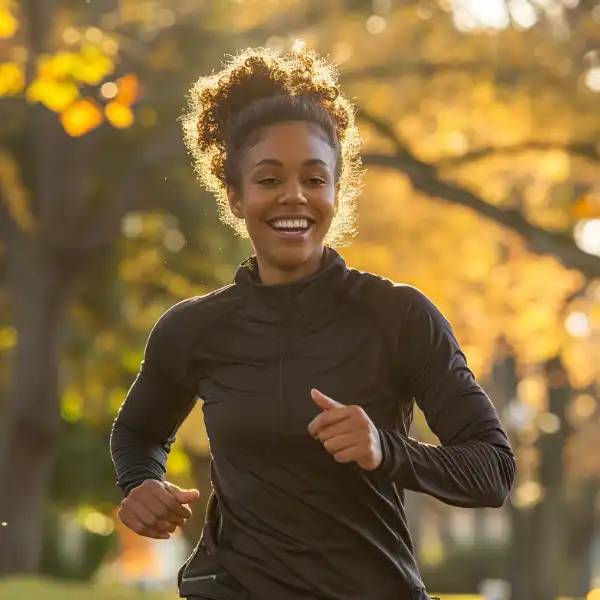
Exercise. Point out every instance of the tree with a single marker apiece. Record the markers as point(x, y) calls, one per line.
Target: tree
point(84, 167)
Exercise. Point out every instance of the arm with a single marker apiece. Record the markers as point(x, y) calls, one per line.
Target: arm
point(160, 399)
point(474, 466)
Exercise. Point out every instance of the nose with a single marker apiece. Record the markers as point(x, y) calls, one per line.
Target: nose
point(293, 193)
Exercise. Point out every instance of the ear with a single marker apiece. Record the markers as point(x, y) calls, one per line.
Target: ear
point(235, 204)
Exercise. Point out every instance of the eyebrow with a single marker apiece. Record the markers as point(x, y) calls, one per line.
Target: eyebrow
point(277, 163)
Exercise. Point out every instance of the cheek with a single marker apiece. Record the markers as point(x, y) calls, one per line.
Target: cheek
point(329, 204)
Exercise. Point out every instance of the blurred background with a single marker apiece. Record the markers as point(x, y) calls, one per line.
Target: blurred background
point(481, 121)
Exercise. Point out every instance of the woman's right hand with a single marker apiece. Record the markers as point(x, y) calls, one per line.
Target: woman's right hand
point(155, 509)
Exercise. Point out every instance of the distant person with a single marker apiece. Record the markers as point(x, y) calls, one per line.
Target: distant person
point(307, 368)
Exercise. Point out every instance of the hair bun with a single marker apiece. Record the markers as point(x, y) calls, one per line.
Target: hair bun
point(254, 74)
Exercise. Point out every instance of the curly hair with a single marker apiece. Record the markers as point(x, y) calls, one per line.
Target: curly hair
point(257, 88)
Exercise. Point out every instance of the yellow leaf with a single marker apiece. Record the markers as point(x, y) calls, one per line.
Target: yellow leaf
point(72, 406)
point(118, 115)
point(12, 79)
point(116, 397)
point(8, 338)
point(179, 463)
point(81, 117)
point(8, 24)
point(129, 89)
point(132, 361)
point(62, 64)
point(55, 95)
point(93, 65)
point(586, 207)
point(44, 66)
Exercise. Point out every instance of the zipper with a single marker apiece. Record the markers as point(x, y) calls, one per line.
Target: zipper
point(284, 349)
point(281, 375)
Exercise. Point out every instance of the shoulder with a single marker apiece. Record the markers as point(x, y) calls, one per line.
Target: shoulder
point(385, 295)
point(171, 340)
point(187, 318)
point(402, 309)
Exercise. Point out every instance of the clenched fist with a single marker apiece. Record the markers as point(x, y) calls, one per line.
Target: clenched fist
point(155, 509)
point(346, 432)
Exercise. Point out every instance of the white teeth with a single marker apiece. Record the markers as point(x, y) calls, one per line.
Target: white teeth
point(290, 224)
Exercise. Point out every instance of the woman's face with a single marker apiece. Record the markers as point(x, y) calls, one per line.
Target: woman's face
point(288, 199)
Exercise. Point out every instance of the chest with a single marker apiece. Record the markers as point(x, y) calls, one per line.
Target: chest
point(256, 390)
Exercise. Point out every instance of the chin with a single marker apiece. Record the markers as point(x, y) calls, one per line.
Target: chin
point(290, 258)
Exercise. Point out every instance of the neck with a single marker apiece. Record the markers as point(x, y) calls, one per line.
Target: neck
point(272, 275)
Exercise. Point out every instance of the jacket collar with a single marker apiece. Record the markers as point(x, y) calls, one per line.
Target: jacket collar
point(292, 301)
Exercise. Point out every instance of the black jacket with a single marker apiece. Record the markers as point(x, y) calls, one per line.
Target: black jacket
point(287, 522)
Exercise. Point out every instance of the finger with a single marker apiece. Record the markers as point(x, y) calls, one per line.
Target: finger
point(337, 444)
point(324, 402)
point(343, 427)
point(163, 512)
point(327, 418)
point(348, 455)
point(130, 520)
point(170, 502)
point(149, 519)
point(183, 496)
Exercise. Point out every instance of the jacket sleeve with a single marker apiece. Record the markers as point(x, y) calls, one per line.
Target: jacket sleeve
point(158, 402)
point(474, 466)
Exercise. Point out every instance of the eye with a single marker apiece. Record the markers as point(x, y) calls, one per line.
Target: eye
point(316, 181)
point(268, 181)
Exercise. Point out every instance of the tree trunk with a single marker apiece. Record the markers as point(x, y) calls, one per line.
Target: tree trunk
point(550, 555)
point(582, 531)
point(39, 293)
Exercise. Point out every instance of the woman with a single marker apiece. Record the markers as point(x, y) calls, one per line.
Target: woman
point(307, 369)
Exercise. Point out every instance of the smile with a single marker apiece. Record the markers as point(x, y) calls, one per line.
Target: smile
point(291, 225)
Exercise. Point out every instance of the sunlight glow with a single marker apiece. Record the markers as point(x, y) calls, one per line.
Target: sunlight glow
point(592, 79)
point(587, 236)
point(109, 89)
point(522, 13)
point(375, 24)
point(94, 35)
point(578, 325)
point(71, 36)
point(493, 14)
point(474, 14)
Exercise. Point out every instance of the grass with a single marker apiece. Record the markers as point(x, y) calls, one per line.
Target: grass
point(46, 589)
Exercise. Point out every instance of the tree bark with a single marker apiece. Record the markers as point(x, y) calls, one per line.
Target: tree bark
point(40, 292)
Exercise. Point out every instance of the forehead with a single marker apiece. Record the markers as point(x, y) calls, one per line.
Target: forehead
point(291, 143)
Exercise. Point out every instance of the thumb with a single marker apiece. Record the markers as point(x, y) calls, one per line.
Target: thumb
point(322, 401)
point(181, 495)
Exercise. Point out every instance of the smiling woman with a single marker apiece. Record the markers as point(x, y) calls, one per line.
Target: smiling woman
point(287, 203)
point(308, 370)
point(256, 88)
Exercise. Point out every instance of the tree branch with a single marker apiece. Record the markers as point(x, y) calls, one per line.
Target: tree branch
point(285, 23)
point(507, 74)
point(425, 178)
point(587, 150)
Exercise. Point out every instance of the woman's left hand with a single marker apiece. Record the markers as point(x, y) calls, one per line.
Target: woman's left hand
point(346, 432)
